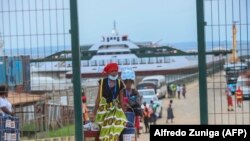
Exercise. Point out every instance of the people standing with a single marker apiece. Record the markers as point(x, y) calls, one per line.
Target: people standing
point(85, 111)
point(5, 105)
point(153, 107)
point(146, 117)
point(229, 99)
point(169, 91)
point(170, 113)
point(178, 89)
point(109, 108)
point(239, 96)
point(132, 97)
point(184, 90)
point(173, 89)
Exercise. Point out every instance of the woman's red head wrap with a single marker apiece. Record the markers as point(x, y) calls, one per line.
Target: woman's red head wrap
point(110, 68)
point(84, 99)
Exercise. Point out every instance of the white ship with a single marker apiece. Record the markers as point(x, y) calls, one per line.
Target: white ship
point(143, 58)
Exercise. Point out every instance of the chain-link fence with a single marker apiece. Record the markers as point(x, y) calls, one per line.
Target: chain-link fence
point(41, 96)
point(227, 28)
point(36, 65)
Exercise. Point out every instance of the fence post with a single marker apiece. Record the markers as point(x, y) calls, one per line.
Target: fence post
point(76, 70)
point(202, 62)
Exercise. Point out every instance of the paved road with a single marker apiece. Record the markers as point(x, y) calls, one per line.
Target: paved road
point(186, 111)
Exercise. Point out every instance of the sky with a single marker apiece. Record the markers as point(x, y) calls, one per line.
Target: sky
point(39, 23)
point(150, 20)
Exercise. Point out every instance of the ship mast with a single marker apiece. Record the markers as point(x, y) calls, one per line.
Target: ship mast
point(114, 31)
point(234, 57)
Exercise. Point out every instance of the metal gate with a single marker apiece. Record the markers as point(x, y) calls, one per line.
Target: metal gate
point(42, 97)
point(226, 28)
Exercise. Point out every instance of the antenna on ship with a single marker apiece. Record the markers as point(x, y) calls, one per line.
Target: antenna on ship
point(114, 31)
point(1, 44)
point(234, 57)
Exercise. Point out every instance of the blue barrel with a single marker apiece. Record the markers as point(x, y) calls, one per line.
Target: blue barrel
point(130, 117)
point(128, 134)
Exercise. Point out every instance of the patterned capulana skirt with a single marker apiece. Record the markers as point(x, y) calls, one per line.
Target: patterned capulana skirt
point(111, 120)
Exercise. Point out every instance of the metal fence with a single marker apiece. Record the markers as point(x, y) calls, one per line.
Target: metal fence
point(227, 28)
point(31, 30)
point(32, 33)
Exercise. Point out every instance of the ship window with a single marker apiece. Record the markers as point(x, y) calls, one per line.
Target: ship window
point(69, 56)
point(167, 60)
point(144, 60)
point(160, 59)
point(124, 38)
point(114, 38)
point(126, 62)
point(120, 62)
point(152, 60)
point(93, 63)
point(134, 61)
point(107, 39)
point(101, 62)
point(69, 65)
point(111, 38)
point(118, 39)
point(85, 63)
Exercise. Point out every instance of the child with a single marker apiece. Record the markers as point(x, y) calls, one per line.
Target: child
point(170, 114)
point(146, 116)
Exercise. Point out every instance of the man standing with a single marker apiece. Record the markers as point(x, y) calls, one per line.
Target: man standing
point(178, 90)
point(239, 95)
point(184, 91)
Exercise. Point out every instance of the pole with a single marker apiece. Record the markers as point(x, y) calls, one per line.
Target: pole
point(202, 62)
point(76, 70)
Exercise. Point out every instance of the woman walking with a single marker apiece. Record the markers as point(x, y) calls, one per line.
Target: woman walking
point(109, 105)
point(132, 98)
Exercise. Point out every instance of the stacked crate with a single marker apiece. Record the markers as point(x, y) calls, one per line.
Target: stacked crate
point(9, 128)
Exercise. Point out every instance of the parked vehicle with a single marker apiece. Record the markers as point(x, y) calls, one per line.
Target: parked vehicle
point(243, 83)
point(147, 92)
point(147, 85)
point(160, 80)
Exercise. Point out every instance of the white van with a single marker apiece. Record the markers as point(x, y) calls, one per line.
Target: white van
point(161, 84)
point(244, 84)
